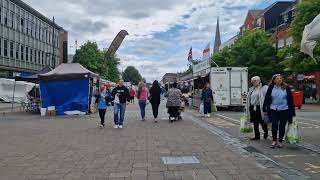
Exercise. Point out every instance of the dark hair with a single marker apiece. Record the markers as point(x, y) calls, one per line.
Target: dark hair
point(283, 84)
point(156, 84)
point(175, 85)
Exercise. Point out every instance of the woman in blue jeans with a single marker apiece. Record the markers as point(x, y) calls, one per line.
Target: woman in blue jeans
point(207, 99)
point(143, 96)
point(278, 104)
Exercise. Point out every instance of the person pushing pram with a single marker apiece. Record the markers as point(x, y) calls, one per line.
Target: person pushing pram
point(174, 103)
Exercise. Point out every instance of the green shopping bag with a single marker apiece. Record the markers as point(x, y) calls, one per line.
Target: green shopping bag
point(245, 125)
point(214, 107)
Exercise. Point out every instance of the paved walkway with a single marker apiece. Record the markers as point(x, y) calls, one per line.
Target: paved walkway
point(75, 148)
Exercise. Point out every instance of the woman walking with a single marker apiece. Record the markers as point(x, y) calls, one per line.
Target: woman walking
point(279, 105)
point(207, 98)
point(155, 98)
point(256, 98)
point(102, 101)
point(143, 95)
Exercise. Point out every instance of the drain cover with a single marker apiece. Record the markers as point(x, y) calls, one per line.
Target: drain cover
point(180, 160)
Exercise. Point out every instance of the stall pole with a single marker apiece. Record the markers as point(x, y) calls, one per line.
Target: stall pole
point(14, 90)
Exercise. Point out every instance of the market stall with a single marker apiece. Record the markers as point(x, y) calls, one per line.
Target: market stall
point(201, 76)
point(67, 89)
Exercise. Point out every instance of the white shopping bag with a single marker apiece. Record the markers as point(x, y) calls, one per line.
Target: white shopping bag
point(245, 125)
point(201, 108)
point(116, 99)
point(293, 134)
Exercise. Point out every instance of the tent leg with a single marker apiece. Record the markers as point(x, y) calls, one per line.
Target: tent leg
point(14, 90)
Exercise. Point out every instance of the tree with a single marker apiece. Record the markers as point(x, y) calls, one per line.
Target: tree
point(131, 74)
point(293, 60)
point(253, 50)
point(92, 58)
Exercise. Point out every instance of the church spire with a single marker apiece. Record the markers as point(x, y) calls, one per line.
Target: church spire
point(217, 40)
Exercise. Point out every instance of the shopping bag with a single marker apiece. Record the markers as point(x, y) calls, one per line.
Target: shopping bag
point(266, 119)
point(245, 126)
point(93, 108)
point(213, 107)
point(201, 108)
point(293, 134)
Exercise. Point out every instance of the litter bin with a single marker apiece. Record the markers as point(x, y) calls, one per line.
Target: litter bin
point(297, 99)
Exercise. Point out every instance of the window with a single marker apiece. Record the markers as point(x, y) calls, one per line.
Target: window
point(11, 49)
point(42, 56)
point(21, 53)
point(17, 50)
point(35, 31)
point(0, 16)
point(31, 28)
point(27, 54)
point(6, 17)
point(35, 56)
point(39, 57)
point(0, 46)
point(5, 47)
point(22, 22)
point(12, 19)
point(31, 54)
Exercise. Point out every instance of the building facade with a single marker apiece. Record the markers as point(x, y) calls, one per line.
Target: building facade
point(28, 40)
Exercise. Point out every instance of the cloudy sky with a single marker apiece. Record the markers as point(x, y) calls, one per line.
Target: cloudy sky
point(161, 32)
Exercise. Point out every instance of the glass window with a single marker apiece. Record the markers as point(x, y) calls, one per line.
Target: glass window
point(18, 22)
point(17, 50)
point(42, 58)
point(0, 46)
point(5, 47)
point(27, 54)
point(39, 57)
point(0, 14)
point(11, 49)
point(21, 53)
point(35, 56)
point(12, 19)
point(31, 54)
point(6, 17)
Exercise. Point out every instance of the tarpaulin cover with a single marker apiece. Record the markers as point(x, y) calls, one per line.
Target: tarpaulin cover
point(7, 88)
point(65, 95)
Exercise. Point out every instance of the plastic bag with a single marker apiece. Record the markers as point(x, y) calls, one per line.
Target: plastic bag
point(293, 134)
point(213, 107)
point(266, 119)
point(245, 126)
point(201, 108)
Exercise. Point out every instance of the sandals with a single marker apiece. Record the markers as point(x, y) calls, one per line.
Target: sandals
point(273, 145)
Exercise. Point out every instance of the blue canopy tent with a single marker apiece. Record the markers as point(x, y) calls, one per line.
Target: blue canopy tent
point(67, 87)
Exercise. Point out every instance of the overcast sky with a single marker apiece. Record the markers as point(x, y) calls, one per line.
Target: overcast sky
point(161, 32)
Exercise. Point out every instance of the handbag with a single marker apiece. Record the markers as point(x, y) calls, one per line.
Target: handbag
point(214, 108)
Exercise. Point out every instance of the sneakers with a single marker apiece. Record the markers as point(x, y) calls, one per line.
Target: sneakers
point(116, 126)
point(208, 116)
point(101, 126)
point(120, 126)
point(155, 120)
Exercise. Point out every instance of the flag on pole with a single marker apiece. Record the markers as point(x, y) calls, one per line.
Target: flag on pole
point(190, 55)
point(206, 52)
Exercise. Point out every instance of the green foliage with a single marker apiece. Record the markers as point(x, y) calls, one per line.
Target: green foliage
point(292, 58)
point(253, 50)
point(131, 74)
point(92, 58)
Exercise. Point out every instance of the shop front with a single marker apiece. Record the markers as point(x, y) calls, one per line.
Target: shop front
point(309, 83)
point(201, 76)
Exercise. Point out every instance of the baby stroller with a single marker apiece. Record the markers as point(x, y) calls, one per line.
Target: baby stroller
point(175, 112)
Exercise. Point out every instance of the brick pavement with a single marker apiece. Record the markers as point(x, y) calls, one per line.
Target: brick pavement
point(75, 148)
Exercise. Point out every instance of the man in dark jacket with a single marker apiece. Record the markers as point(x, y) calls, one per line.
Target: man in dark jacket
point(121, 96)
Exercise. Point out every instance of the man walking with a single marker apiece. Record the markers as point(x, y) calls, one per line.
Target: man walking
point(121, 96)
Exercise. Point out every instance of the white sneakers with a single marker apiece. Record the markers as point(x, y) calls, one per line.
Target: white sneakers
point(120, 126)
point(116, 126)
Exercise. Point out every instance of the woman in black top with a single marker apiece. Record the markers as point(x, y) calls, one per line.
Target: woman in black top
point(155, 96)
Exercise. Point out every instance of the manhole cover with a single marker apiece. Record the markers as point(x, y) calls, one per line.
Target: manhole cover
point(180, 160)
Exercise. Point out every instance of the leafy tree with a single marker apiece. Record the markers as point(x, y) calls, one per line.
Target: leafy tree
point(294, 60)
point(92, 58)
point(131, 74)
point(253, 50)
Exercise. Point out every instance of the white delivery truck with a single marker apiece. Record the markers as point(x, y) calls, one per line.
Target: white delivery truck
point(228, 85)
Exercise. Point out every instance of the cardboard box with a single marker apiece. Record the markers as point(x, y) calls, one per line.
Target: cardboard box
point(51, 113)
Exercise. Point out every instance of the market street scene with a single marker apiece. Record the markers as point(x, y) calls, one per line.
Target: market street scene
point(160, 90)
